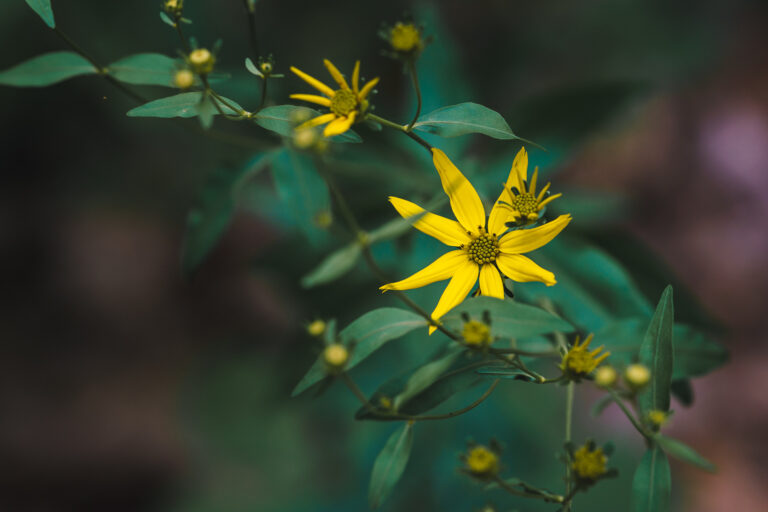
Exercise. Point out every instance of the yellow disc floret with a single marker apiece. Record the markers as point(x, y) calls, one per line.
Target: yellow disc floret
point(202, 61)
point(184, 79)
point(335, 356)
point(405, 37)
point(483, 249)
point(637, 376)
point(579, 362)
point(476, 334)
point(482, 462)
point(344, 102)
point(589, 464)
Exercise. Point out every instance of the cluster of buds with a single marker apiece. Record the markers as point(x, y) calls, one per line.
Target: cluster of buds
point(174, 7)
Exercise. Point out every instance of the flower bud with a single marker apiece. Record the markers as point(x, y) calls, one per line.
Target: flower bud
point(335, 356)
point(589, 463)
point(482, 462)
point(636, 376)
point(316, 328)
point(606, 376)
point(657, 418)
point(202, 61)
point(184, 79)
point(405, 38)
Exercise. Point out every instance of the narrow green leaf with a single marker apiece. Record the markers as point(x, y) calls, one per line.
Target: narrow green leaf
point(427, 375)
point(185, 104)
point(364, 336)
point(44, 10)
point(167, 19)
point(656, 352)
point(393, 228)
point(465, 118)
point(206, 110)
point(47, 69)
point(600, 406)
point(145, 69)
point(333, 266)
point(509, 319)
point(685, 453)
point(652, 484)
point(251, 67)
point(390, 464)
point(282, 119)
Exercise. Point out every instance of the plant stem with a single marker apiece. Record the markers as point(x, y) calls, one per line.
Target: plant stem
point(390, 124)
point(251, 10)
point(568, 422)
point(511, 490)
point(263, 93)
point(628, 414)
point(184, 42)
point(415, 78)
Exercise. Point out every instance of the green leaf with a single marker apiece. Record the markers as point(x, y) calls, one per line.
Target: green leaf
point(685, 453)
point(505, 372)
point(167, 19)
point(208, 222)
point(44, 10)
point(333, 266)
point(185, 105)
point(145, 69)
point(282, 119)
point(251, 67)
point(425, 376)
point(509, 319)
point(364, 336)
point(301, 189)
point(390, 464)
point(600, 405)
point(683, 391)
point(652, 484)
point(656, 352)
point(465, 118)
point(47, 69)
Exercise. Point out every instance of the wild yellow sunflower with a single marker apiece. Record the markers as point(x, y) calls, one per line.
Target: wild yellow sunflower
point(346, 105)
point(482, 248)
point(520, 197)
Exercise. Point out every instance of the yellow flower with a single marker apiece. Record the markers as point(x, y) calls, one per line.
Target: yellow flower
point(578, 362)
point(589, 464)
point(482, 462)
point(520, 197)
point(405, 37)
point(482, 248)
point(476, 334)
point(657, 418)
point(346, 105)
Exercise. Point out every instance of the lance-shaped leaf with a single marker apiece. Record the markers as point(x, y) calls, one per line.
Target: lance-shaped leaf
point(652, 484)
point(145, 69)
point(364, 336)
point(425, 376)
point(333, 266)
point(390, 464)
point(509, 319)
point(47, 69)
point(465, 118)
point(656, 352)
point(685, 453)
point(186, 104)
point(44, 10)
point(282, 119)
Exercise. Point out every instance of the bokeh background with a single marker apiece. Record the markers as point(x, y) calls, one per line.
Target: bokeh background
point(128, 386)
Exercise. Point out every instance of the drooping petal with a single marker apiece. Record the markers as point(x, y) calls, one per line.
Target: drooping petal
point(465, 202)
point(356, 78)
point(447, 231)
point(340, 125)
point(367, 88)
point(317, 121)
point(314, 82)
point(336, 74)
point(522, 269)
point(439, 270)
point(491, 284)
point(500, 214)
point(312, 98)
point(464, 278)
point(525, 240)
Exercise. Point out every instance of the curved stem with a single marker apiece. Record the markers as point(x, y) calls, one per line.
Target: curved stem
point(511, 490)
point(250, 8)
point(390, 124)
point(568, 422)
point(415, 78)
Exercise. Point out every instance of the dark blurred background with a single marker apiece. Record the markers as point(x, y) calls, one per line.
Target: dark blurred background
point(126, 386)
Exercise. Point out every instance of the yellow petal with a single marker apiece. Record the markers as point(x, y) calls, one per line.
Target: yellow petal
point(465, 202)
point(314, 82)
point(340, 125)
point(522, 269)
point(336, 74)
point(500, 214)
point(317, 121)
point(439, 270)
point(312, 98)
point(491, 284)
point(549, 200)
point(356, 77)
point(526, 240)
point(447, 231)
point(367, 88)
point(519, 172)
point(464, 278)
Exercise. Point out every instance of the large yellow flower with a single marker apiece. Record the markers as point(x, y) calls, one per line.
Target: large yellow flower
point(520, 197)
point(346, 105)
point(480, 251)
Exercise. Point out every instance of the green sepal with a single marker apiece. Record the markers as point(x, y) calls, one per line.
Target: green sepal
point(685, 453)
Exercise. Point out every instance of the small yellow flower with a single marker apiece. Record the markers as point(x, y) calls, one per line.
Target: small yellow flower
point(589, 464)
point(476, 334)
point(346, 104)
point(606, 376)
point(637, 376)
point(578, 361)
point(173, 7)
point(657, 418)
point(482, 248)
point(335, 356)
point(405, 37)
point(266, 68)
point(202, 61)
point(521, 199)
point(316, 328)
point(482, 462)
point(184, 79)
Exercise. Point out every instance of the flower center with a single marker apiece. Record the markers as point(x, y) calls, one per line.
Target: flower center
point(344, 102)
point(483, 249)
point(404, 37)
point(525, 203)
